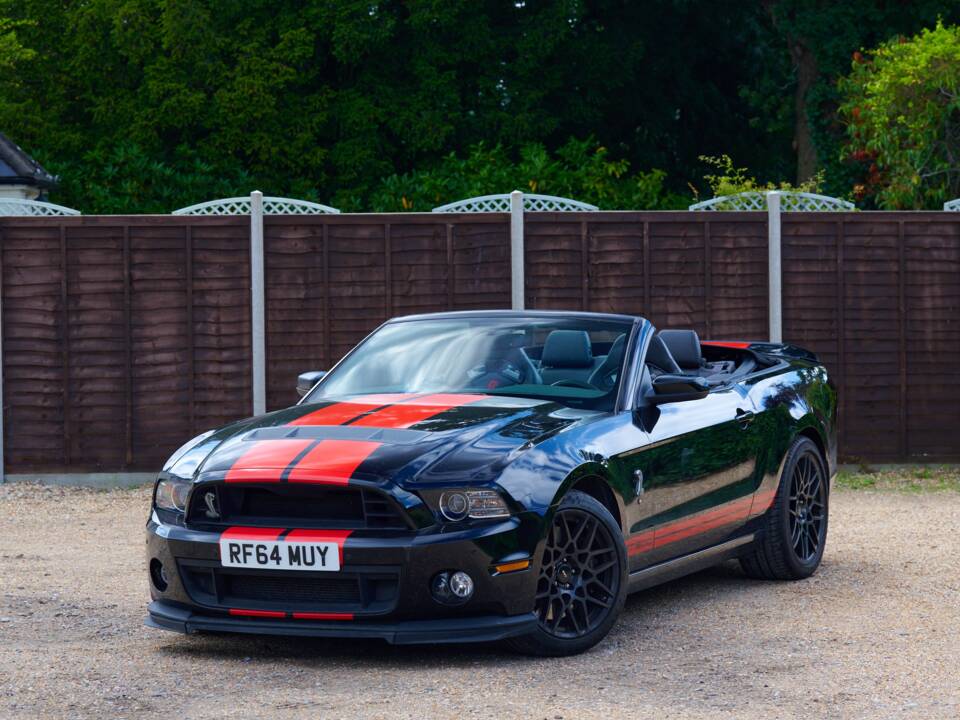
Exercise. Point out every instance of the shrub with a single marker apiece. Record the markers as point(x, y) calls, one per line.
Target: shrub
point(902, 109)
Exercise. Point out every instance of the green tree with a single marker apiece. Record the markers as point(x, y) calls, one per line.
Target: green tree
point(902, 105)
point(802, 47)
point(153, 104)
point(579, 169)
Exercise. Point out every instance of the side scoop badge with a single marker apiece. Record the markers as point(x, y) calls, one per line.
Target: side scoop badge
point(638, 475)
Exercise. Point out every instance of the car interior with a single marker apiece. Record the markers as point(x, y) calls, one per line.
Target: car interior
point(568, 358)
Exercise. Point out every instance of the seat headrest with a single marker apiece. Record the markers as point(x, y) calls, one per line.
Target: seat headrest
point(684, 345)
point(659, 355)
point(567, 349)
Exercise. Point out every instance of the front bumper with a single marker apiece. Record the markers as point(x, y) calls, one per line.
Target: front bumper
point(393, 570)
point(167, 616)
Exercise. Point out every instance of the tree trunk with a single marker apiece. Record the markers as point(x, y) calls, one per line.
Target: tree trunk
point(806, 64)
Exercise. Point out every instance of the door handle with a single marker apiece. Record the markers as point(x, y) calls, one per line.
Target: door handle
point(744, 417)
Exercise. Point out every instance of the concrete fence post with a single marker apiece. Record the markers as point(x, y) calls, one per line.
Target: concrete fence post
point(517, 289)
point(258, 340)
point(3, 474)
point(774, 267)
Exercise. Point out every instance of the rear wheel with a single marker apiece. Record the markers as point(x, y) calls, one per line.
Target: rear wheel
point(792, 541)
point(583, 580)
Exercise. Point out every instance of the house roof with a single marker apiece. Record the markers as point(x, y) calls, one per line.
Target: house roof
point(18, 168)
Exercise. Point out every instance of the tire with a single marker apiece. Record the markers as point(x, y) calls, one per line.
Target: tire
point(582, 583)
point(794, 532)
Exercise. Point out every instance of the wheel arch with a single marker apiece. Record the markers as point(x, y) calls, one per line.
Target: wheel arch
point(813, 434)
point(601, 491)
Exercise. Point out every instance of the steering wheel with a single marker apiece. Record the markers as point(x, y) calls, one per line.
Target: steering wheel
point(573, 383)
point(513, 369)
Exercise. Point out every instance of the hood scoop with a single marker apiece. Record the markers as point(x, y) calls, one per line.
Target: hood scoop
point(390, 436)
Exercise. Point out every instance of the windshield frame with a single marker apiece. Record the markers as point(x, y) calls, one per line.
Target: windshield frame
point(637, 332)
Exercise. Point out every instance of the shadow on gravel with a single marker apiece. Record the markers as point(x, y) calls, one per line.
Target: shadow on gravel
point(712, 583)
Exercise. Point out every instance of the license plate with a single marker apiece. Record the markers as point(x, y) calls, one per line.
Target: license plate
point(271, 555)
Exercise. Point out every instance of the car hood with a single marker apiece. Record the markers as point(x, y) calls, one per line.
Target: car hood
point(402, 439)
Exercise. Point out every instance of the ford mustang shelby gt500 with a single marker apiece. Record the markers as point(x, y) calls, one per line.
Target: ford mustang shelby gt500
point(496, 475)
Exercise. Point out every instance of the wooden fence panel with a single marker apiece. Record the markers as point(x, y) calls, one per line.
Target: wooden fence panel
point(124, 336)
point(161, 339)
point(33, 348)
point(931, 338)
point(332, 279)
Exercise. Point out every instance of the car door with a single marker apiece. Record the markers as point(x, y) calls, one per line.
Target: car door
point(700, 470)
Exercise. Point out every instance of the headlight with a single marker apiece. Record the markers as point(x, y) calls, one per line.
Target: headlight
point(478, 504)
point(171, 494)
point(189, 455)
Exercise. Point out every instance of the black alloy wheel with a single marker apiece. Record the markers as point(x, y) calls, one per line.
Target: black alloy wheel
point(581, 584)
point(793, 533)
point(807, 508)
point(579, 579)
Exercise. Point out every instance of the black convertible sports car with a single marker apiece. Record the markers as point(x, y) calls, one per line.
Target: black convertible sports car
point(487, 475)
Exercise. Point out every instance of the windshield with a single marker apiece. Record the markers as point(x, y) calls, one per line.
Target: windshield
point(575, 361)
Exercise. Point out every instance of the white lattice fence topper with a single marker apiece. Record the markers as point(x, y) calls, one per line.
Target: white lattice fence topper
point(790, 201)
point(952, 205)
point(271, 206)
point(36, 208)
point(501, 203)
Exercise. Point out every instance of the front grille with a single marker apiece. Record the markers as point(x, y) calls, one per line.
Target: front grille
point(294, 590)
point(369, 590)
point(294, 505)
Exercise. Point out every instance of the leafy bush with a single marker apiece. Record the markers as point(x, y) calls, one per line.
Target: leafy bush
point(731, 180)
point(902, 108)
point(580, 170)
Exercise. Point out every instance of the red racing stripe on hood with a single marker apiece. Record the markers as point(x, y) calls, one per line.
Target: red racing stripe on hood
point(331, 462)
point(266, 460)
point(342, 412)
point(410, 412)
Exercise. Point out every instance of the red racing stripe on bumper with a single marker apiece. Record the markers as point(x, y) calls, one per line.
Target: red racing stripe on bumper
point(257, 613)
point(251, 533)
point(322, 616)
point(335, 536)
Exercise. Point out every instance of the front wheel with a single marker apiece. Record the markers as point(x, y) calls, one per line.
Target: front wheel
point(795, 526)
point(583, 580)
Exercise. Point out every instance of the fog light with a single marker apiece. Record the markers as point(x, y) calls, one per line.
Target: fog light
point(461, 585)
point(158, 574)
point(451, 588)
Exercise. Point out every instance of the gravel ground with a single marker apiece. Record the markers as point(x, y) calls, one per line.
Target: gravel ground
point(874, 634)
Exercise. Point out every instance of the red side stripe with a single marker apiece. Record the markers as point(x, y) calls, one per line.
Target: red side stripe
point(335, 536)
point(251, 533)
point(405, 414)
point(763, 502)
point(723, 343)
point(266, 460)
point(341, 412)
point(641, 543)
point(322, 616)
point(258, 613)
point(688, 527)
point(331, 462)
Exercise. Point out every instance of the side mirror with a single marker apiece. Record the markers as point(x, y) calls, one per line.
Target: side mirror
point(678, 388)
point(306, 381)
